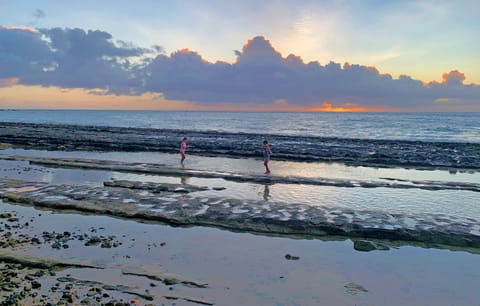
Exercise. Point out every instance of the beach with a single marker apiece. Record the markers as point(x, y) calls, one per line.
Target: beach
point(97, 215)
point(240, 153)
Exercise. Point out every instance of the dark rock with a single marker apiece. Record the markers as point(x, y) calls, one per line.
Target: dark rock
point(367, 246)
point(93, 241)
point(35, 284)
point(291, 257)
point(56, 245)
point(106, 244)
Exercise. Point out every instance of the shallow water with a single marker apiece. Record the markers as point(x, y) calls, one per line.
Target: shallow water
point(255, 166)
point(452, 203)
point(252, 270)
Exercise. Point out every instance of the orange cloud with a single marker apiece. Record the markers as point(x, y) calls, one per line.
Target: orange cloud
point(22, 28)
point(37, 97)
point(283, 106)
point(446, 100)
point(187, 51)
point(346, 107)
point(7, 82)
point(454, 75)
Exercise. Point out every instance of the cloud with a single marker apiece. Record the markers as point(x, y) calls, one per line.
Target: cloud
point(260, 75)
point(453, 77)
point(70, 58)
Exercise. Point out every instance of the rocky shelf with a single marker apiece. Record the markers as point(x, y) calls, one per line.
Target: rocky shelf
point(359, 152)
point(269, 218)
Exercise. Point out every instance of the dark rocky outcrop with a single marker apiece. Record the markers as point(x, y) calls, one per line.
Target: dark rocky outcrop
point(380, 153)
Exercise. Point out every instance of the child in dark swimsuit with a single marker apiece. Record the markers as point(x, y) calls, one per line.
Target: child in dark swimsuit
point(266, 156)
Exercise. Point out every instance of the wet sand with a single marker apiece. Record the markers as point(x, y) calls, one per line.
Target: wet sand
point(238, 269)
point(140, 261)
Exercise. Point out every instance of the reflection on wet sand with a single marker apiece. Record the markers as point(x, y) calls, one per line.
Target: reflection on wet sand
point(266, 193)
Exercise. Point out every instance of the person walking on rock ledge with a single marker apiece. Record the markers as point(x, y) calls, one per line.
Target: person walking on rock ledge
point(266, 156)
point(183, 149)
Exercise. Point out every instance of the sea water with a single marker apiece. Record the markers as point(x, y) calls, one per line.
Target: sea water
point(430, 127)
point(436, 127)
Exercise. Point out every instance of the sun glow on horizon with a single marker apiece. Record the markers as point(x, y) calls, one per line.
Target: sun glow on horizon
point(17, 96)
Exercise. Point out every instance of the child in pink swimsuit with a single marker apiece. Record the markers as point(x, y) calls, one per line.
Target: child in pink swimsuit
point(183, 149)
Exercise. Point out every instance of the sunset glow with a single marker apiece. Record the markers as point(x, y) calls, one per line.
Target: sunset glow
point(311, 56)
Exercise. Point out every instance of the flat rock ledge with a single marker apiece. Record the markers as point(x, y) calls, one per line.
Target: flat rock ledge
point(269, 218)
point(160, 169)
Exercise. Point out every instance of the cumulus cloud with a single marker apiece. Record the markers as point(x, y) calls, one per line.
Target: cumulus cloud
point(453, 77)
point(261, 75)
point(70, 58)
point(75, 58)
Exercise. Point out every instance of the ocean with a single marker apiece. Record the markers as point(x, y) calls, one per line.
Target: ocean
point(431, 127)
point(339, 149)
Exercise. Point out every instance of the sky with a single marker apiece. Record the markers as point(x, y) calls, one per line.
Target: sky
point(274, 55)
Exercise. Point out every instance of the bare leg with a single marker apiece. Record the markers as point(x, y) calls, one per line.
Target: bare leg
point(183, 157)
point(265, 163)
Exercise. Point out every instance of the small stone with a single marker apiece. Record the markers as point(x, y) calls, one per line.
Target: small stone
point(106, 244)
point(367, 246)
point(291, 257)
point(35, 284)
point(93, 241)
point(68, 297)
point(56, 245)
